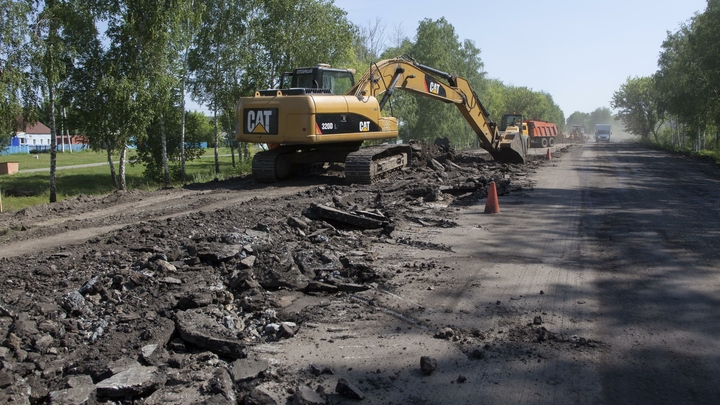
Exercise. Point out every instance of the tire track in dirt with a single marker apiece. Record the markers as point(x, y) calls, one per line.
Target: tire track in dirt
point(147, 208)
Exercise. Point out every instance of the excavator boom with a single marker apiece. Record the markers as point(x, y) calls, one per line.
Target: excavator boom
point(386, 76)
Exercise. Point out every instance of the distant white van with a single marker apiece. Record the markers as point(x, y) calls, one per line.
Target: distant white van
point(602, 133)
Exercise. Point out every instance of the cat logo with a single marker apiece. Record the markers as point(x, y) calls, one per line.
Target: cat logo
point(364, 126)
point(261, 121)
point(434, 88)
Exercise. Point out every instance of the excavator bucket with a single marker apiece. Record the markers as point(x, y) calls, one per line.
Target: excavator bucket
point(512, 148)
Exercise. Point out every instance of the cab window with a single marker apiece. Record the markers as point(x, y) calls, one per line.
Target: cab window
point(337, 82)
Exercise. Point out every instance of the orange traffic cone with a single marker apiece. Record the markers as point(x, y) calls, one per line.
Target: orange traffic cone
point(548, 156)
point(492, 206)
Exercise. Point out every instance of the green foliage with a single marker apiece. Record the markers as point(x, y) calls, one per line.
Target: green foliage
point(17, 97)
point(685, 88)
point(296, 33)
point(437, 45)
point(149, 149)
point(533, 105)
point(601, 115)
point(638, 107)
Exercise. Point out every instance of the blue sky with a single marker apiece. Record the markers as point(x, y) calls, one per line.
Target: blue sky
point(578, 51)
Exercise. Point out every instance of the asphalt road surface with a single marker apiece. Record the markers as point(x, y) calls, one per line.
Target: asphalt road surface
point(617, 249)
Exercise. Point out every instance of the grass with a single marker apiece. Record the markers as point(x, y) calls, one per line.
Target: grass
point(712, 154)
point(94, 180)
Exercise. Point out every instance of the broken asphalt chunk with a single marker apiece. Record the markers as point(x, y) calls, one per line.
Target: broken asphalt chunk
point(204, 331)
point(133, 382)
point(427, 365)
point(334, 214)
point(348, 390)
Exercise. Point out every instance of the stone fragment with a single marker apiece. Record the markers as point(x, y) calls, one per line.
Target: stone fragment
point(258, 396)
point(217, 253)
point(538, 320)
point(165, 266)
point(427, 365)
point(120, 365)
point(38, 388)
point(130, 383)
point(352, 287)
point(248, 368)
point(445, 333)
point(6, 379)
point(147, 351)
point(204, 331)
point(286, 276)
point(74, 303)
point(296, 222)
point(316, 286)
point(25, 328)
point(334, 214)
point(91, 287)
point(170, 280)
point(435, 165)
point(311, 262)
point(196, 299)
point(72, 396)
point(42, 344)
point(316, 370)
point(220, 386)
point(248, 262)
point(77, 381)
point(287, 330)
point(304, 395)
point(348, 390)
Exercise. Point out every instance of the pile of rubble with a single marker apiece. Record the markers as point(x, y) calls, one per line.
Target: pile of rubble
point(164, 312)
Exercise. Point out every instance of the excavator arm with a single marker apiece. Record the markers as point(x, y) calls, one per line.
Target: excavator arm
point(384, 77)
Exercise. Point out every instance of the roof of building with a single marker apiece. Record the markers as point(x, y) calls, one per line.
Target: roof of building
point(37, 129)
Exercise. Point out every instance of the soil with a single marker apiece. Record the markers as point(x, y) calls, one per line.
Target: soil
point(304, 291)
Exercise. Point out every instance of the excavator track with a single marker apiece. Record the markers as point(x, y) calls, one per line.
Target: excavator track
point(269, 165)
point(368, 165)
point(278, 163)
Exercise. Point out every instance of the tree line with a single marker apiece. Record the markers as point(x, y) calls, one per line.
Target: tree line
point(118, 72)
point(601, 115)
point(679, 105)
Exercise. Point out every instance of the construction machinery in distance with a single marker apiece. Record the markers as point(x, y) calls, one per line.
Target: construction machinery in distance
point(542, 133)
point(320, 115)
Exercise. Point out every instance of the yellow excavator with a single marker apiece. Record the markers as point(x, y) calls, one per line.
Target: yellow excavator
point(320, 115)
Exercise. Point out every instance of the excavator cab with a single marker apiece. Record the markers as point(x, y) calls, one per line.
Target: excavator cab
point(513, 123)
point(319, 79)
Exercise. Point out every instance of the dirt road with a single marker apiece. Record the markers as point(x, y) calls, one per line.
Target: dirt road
point(597, 283)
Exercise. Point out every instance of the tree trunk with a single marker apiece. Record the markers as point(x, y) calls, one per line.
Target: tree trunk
point(53, 143)
point(163, 137)
point(69, 139)
point(217, 141)
point(63, 124)
point(123, 155)
point(182, 129)
point(116, 184)
point(231, 141)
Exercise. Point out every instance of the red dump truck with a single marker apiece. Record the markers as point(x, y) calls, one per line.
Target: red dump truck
point(541, 133)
